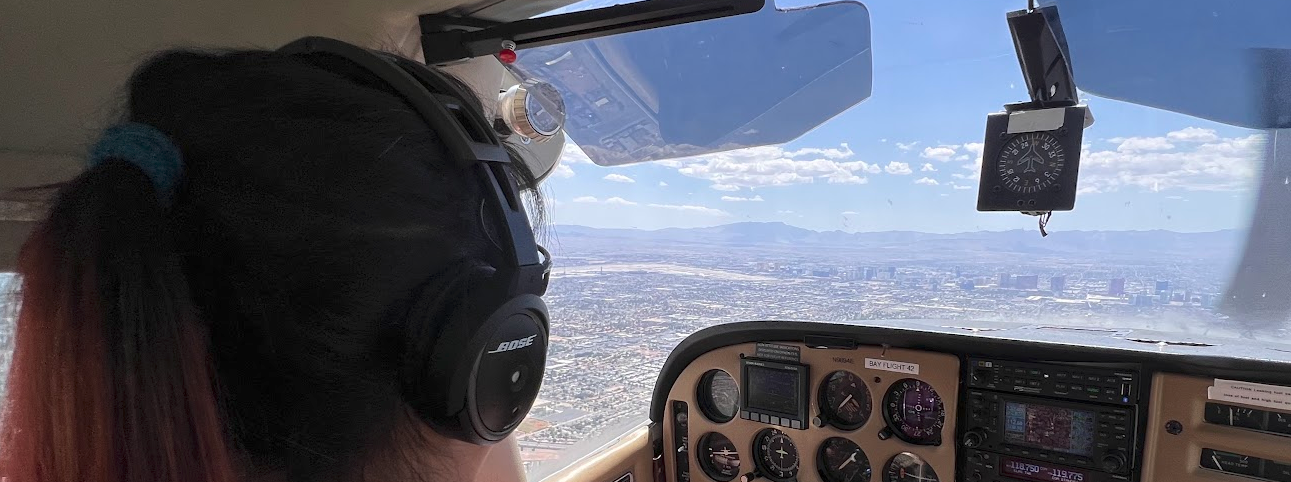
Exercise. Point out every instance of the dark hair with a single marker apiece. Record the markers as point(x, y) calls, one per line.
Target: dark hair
point(257, 324)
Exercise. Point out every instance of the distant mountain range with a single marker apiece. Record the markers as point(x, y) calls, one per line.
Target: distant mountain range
point(1207, 244)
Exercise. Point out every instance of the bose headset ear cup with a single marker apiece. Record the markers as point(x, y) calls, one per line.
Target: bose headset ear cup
point(484, 370)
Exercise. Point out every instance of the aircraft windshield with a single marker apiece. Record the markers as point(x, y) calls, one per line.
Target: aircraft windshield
point(872, 214)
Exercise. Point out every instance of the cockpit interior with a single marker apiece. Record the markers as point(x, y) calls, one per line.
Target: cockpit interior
point(751, 399)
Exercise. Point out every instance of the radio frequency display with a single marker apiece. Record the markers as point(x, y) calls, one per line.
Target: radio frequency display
point(1026, 469)
point(1049, 428)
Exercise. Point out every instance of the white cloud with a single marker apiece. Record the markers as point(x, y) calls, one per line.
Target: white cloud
point(939, 153)
point(586, 199)
point(842, 177)
point(974, 147)
point(1228, 164)
point(850, 213)
point(842, 152)
point(742, 199)
point(861, 166)
point(562, 171)
point(784, 212)
point(927, 181)
point(620, 201)
point(883, 140)
point(619, 178)
point(773, 166)
point(663, 184)
point(907, 146)
point(959, 187)
point(927, 168)
point(898, 168)
point(1193, 134)
point(1136, 144)
point(707, 211)
point(572, 154)
point(1177, 198)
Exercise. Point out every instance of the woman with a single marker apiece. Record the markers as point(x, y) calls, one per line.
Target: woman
point(242, 316)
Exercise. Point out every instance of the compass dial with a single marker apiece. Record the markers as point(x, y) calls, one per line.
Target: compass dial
point(914, 411)
point(775, 455)
point(1030, 163)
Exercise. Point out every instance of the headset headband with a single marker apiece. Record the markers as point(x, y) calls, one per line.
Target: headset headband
point(470, 142)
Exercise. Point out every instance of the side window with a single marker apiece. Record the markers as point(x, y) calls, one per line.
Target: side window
point(7, 314)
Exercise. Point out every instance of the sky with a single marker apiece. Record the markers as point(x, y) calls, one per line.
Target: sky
point(907, 159)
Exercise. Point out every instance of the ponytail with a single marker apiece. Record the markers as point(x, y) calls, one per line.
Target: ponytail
point(111, 379)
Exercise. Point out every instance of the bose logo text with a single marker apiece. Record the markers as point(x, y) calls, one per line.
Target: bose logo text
point(514, 344)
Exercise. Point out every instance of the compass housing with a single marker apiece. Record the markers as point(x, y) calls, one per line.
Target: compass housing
point(1031, 159)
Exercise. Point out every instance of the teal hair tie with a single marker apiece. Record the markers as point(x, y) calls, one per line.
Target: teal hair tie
point(146, 147)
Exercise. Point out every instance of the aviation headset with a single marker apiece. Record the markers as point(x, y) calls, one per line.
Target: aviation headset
point(479, 375)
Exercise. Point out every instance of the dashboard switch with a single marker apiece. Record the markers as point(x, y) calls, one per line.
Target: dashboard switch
point(974, 438)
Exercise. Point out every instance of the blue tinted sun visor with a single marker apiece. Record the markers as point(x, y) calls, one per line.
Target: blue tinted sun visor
point(750, 80)
point(1227, 61)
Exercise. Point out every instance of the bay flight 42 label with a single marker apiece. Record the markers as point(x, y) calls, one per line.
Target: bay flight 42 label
point(892, 366)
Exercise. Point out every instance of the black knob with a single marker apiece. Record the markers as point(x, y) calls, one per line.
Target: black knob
point(1114, 462)
point(974, 438)
point(976, 477)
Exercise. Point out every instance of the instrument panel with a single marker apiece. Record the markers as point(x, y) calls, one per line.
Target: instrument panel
point(783, 412)
point(821, 405)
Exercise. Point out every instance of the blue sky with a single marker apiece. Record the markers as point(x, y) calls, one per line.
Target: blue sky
point(906, 159)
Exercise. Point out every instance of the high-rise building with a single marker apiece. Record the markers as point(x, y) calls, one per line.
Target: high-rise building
point(1028, 282)
point(1141, 300)
point(870, 274)
point(1057, 284)
point(1006, 280)
point(967, 284)
point(892, 272)
point(1116, 287)
point(1163, 286)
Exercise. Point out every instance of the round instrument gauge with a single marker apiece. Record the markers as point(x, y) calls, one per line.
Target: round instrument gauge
point(914, 412)
point(718, 457)
point(1030, 162)
point(718, 396)
point(775, 455)
point(908, 467)
point(533, 109)
point(841, 460)
point(845, 401)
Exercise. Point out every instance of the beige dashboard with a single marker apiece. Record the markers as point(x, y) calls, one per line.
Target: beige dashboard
point(1013, 411)
point(938, 370)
